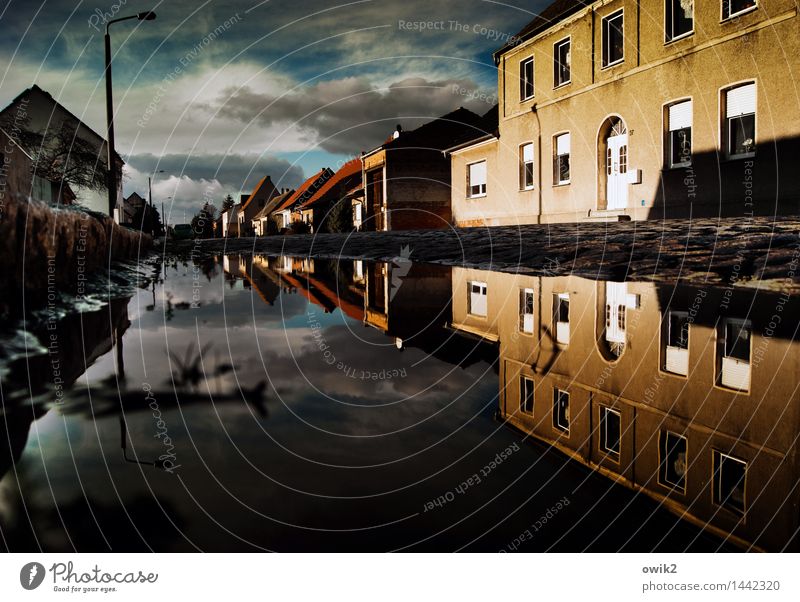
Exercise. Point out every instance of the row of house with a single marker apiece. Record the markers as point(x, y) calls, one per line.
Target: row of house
point(607, 110)
point(687, 394)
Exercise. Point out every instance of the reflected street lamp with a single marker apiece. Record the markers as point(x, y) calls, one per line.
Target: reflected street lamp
point(111, 178)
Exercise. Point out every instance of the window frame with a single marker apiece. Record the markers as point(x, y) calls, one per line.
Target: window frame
point(557, 426)
point(715, 497)
point(557, 181)
point(668, 37)
point(522, 167)
point(523, 81)
point(604, 22)
point(731, 16)
point(725, 128)
point(557, 61)
point(662, 458)
point(523, 395)
point(469, 180)
point(602, 440)
point(523, 292)
point(558, 300)
point(668, 164)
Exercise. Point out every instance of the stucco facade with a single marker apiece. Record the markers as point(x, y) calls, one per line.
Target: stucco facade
point(617, 117)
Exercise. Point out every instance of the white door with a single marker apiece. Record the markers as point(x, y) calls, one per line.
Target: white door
point(617, 172)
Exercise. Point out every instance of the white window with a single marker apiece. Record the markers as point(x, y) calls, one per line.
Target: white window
point(477, 299)
point(732, 8)
point(562, 57)
point(676, 340)
point(526, 395)
point(561, 146)
point(679, 18)
point(526, 79)
point(729, 482)
point(613, 39)
point(561, 410)
point(476, 179)
point(679, 126)
point(526, 166)
point(561, 317)
point(740, 121)
point(357, 218)
point(610, 431)
point(526, 310)
point(672, 452)
point(735, 349)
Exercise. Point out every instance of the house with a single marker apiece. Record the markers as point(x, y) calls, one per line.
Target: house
point(42, 119)
point(667, 389)
point(356, 197)
point(288, 211)
point(18, 180)
point(316, 211)
point(130, 206)
point(606, 115)
point(407, 179)
point(230, 221)
point(261, 220)
point(250, 205)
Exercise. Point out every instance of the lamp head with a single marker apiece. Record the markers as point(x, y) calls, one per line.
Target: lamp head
point(146, 16)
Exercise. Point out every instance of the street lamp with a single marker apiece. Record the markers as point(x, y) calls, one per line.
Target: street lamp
point(111, 178)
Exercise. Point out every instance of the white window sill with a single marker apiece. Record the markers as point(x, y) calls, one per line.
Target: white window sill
point(675, 166)
point(564, 183)
point(683, 36)
point(740, 157)
point(527, 189)
point(614, 64)
point(477, 196)
point(730, 18)
point(562, 84)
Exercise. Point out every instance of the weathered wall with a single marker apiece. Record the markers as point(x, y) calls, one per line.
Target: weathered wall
point(44, 248)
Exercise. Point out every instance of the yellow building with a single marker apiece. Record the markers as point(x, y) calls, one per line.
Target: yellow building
point(640, 109)
point(687, 394)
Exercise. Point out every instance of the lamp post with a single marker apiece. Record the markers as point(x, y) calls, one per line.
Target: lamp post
point(111, 178)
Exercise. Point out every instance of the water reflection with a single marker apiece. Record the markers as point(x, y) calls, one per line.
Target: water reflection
point(250, 402)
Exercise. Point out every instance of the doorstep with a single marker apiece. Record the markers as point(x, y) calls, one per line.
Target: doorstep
point(607, 215)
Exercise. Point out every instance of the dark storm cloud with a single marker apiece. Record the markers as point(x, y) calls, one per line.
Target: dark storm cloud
point(350, 115)
point(232, 171)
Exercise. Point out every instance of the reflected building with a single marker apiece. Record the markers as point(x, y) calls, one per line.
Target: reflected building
point(684, 393)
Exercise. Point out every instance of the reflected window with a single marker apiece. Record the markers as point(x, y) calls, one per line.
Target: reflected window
point(561, 317)
point(561, 410)
point(672, 452)
point(477, 299)
point(526, 395)
point(526, 310)
point(729, 482)
point(610, 431)
point(476, 179)
point(526, 166)
point(676, 341)
point(735, 349)
point(561, 146)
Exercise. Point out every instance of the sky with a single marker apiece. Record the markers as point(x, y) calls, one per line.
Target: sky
point(212, 96)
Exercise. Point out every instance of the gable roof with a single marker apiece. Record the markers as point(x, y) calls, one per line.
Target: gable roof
point(346, 175)
point(262, 183)
point(554, 13)
point(486, 130)
point(438, 134)
point(272, 204)
point(306, 189)
point(34, 89)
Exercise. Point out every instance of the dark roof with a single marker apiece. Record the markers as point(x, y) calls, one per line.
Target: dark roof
point(440, 133)
point(487, 128)
point(349, 175)
point(36, 89)
point(555, 12)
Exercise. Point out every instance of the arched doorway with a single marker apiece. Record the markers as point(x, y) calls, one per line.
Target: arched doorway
point(612, 157)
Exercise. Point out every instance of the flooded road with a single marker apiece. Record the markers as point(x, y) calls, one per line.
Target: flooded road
point(271, 403)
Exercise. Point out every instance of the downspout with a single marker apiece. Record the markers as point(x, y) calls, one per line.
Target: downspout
point(538, 161)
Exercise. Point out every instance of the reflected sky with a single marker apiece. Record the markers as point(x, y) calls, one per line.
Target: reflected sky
point(299, 406)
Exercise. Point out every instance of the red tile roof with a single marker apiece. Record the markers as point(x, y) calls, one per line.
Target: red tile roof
point(304, 188)
point(345, 175)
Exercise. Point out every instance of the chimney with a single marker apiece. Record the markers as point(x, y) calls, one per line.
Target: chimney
point(397, 132)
